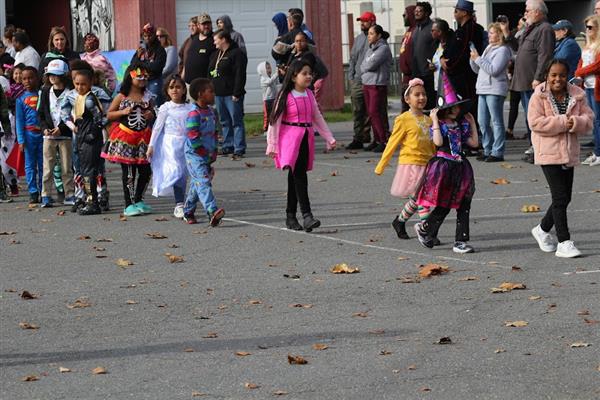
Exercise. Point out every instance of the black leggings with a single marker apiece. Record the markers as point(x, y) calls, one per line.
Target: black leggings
point(298, 182)
point(515, 100)
point(437, 216)
point(560, 180)
point(128, 176)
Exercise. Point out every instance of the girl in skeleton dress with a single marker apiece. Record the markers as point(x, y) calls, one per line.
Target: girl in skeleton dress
point(133, 111)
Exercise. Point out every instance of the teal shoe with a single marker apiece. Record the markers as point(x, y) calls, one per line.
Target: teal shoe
point(143, 207)
point(132, 211)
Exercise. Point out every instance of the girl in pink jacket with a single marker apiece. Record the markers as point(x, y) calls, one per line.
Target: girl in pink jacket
point(557, 113)
point(291, 140)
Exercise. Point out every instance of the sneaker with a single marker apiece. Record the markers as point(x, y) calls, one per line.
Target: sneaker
point(4, 198)
point(481, 157)
point(567, 249)
point(34, 198)
point(462, 248)
point(46, 202)
point(178, 211)
point(79, 203)
point(355, 145)
point(190, 219)
point(90, 209)
point(371, 146)
point(436, 241)
point(422, 236)
point(529, 150)
point(595, 162)
point(237, 156)
point(309, 222)
point(589, 159)
point(103, 201)
point(545, 240)
point(143, 207)
point(494, 159)
point(528, 158)
point(216, 217)
point(60, 197)
point(132, 211)
point(380, 148)
point(69, 201)
point(291, 222)
point(400, 228)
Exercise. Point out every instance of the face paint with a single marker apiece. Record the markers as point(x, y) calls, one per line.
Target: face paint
point(139, 74)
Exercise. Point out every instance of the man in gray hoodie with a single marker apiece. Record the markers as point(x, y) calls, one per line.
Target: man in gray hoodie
point(362, 125)
point(224, 22)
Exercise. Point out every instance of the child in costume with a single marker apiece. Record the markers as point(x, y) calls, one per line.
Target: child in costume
point(57, 135)
point(10, 156)
point(411, 133)
point(84, 112)
point(133, 110)
point(201, 152)
point(291, 140)
point(268, 84)
point(4, 130)
point(557, 114)
point(29, 135)
point(166, 149)
point(448, 182)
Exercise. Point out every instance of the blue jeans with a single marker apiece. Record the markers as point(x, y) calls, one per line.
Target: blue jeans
point(595, 106)
point(179, 190)
point(525, 97)
point(231, 114)
point(200, 186)
point(491, 107)
point(34, 161)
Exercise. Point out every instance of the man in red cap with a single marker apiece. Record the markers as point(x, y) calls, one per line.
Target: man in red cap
point(362, 126)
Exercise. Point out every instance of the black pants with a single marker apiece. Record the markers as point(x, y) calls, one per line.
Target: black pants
point(129, 172)
point(560, 180)
point(515, 100)
point(91, 189)
point(298, 182)
point(437, 216)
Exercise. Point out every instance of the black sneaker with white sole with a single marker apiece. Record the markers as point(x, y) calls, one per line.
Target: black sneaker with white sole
point(425, 240)
point(462, 248)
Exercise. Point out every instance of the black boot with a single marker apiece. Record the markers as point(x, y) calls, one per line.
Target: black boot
point(399, 227)
point(91, 208)
point(310, 222)
point(103, 201)
point(79, 203)
point(291, 222)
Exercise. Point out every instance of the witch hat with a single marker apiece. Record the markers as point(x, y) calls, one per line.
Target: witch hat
point(447, 96)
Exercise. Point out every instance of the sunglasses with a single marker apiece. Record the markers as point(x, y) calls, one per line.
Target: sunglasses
point(589, 27)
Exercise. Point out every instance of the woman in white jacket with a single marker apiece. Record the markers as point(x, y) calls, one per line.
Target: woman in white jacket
point(492, 87)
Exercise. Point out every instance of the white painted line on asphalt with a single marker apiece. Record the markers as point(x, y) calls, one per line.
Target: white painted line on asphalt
point(582, 272)
point(525, 196)
point(369, 246)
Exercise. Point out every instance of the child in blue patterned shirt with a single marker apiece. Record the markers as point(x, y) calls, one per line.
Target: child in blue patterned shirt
point(201, 152)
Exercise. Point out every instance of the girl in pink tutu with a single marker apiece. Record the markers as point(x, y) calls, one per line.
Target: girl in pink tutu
point(411, 133)
point(291, 140)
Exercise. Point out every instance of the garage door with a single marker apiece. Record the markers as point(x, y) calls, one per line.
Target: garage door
point(252, 18)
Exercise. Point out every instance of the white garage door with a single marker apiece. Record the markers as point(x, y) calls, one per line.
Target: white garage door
point(252, 18)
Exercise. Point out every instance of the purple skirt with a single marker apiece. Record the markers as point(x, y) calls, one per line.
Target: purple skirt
point(447, 183)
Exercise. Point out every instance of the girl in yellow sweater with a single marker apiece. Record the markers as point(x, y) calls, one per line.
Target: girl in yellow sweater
point(411, 133)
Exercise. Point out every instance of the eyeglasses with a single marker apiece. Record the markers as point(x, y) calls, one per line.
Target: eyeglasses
point(589, 27)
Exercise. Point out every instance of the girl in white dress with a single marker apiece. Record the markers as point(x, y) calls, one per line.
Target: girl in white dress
point(166, 152)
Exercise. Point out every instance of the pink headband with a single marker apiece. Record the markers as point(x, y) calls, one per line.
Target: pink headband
point(412, 83)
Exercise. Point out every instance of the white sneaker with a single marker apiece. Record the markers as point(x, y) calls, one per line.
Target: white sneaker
point(462, 248)
point(567, 249)
point(545, 240)
point(529, 150)
point(178, 211)
point(591, 158)
point(595, 162)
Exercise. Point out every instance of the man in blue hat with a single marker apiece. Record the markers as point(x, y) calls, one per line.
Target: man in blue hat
point(566, 47)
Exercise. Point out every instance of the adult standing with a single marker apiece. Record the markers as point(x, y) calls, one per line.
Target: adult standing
point(405, 59)
point(224, 23)
point(7, 39)
point(491, 87)
point(534, 48)
point(589, 70)
point(183, 50)
point(228, 73)
point(375, 78)
point(59, 47)
point(199, 52)
point(302, 52)
point(443, 37)
point(152, 57)
point(94, 57)
point(423, 48)
point(25, 53)
point(362, 125)
point(566, 47)
point(280, 21)
point(283, 45)
point(597, 8)
point(5, 57)
point(165, 41)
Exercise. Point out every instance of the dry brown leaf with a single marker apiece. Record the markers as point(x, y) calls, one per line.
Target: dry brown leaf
point(409, 279)
point(516, 324)
point(124, 263)
point(425, 389)
point(255, 302)
point(362, 314)
point(62, 370)
point(385, 353)
point(104, 240)
point(188, 350)
point(469, 278)
point(377, 331)
point(444, 340)
point(591, 321)
point(530, 208)
point(198, 394)
point(499, 351)
point(320, 346)
point(27, 325)
point(81, 302)
point(514, 268)
point(343, 268)
point(534, 297)
point(507, 166)
point(30, 378)
point(508, 286)
point(280, 393)
point(250, 165)
point(61, 213)
point(402, 258)
point(583, 312)
point(161, 219)
point(122, 218)
point(411, 367)
point(298, 360)
point(173, 258)
point(28, 296)
point(210, 335)
point(156, 235)
point(250, 385)
point(501, 181)
point(131, 302)
point(7, 233)
point(334, 173)
point(84, 237)
point(299, 305)
point(242, 353)
point(428, 270)
point(99, 371)
point(579, 344)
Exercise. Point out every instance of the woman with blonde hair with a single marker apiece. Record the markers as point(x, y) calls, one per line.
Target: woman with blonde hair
point(492, 86)
point(58, 47)
point(588, 69)
point(165, 41)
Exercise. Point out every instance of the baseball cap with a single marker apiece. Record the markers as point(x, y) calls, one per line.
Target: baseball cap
point(563, 24)
point(203, 18)
point(57, 67)
point(367, 16)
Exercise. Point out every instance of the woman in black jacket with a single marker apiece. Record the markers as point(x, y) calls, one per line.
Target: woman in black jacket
point(152, 57)
point(227, 69)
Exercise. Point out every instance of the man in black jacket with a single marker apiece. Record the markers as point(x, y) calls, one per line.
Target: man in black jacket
point(423, 48)
point(284, 45)
point(199, 51)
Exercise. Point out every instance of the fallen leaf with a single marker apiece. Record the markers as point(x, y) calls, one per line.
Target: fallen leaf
point(105, 240)
point(581, 312)
point(591, 321)
point(99, 248)
point(516, 324)
point(402, 258)
point(28, 296)
point(27, 325)
point(30, 378)
point(579, 344)
point(469, 278)
point(377, 332)
point(255, 302)
point(501, 181)
point(250, 385)
point(32, 206)
point(173, 246)
point(15, 241)
point(62, 370)
point(385, 353)
point(242, 353)
point(428, 270)
point(425, 389)
point(198, 394)
point(156, 235)
point(298, 360)
point(188, 350)
point(101, 256)
point(499, 351)
point(122, 218)
point(81, 302)
point(411, 367)
point(531, 208)
point(514, 268)
point(124, 263)
point(84, 237)
point(334, 173)
point(131, 302)
point(161, 219)
point(173, 258)
point(320, 346)
point(507, 287)
point(409, 279)
point(444, 340)
point(250, 165)
point(299, 305)
point(280, 393)
point(293, 276)
point(210, 335)
point(7, 233)
point(362, 314)
point(343, 268)
point(99, 371)
point(61, 213)
point(45, 220)
point(507, 166)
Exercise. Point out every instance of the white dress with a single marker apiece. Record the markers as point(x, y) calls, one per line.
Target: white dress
point(168, 139)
